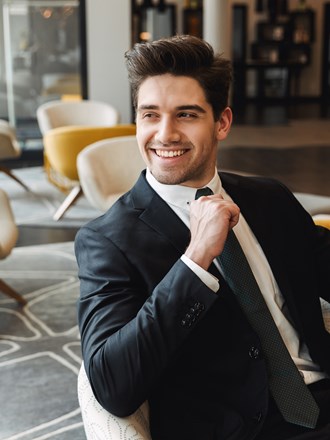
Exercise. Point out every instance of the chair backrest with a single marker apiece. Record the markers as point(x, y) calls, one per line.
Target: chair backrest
point(108, 168)
point(99, 422)
point(314, 203)
point(9, 146)
point(63, 144)
point(8, 228)
point(55, 114)
point(322, 220)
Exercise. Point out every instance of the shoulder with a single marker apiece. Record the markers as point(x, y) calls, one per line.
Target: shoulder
point(121, 213)
point(250, 181)
point(238, 185)
point(265, 196)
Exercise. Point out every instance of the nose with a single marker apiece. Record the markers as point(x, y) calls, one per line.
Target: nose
point(167, 132)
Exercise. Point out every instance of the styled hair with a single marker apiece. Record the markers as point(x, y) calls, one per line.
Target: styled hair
point(182, 55)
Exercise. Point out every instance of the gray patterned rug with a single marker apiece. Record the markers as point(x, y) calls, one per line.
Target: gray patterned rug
point(40, 346)
point(37, 206)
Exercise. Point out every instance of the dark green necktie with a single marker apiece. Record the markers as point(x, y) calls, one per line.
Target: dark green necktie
point(287, 386)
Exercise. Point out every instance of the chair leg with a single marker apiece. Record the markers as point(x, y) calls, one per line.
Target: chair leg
point(10, 174)
point(70, 200)
point(11, 292)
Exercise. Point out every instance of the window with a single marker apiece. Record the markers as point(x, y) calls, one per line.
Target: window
point(41, 52)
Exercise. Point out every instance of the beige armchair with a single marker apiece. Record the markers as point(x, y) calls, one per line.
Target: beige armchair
point(9, 149)
point(8, 238)
point(108, 168)
point(59, 113)
point(100, 424)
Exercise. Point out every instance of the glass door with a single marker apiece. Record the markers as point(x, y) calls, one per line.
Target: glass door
point(40, 56)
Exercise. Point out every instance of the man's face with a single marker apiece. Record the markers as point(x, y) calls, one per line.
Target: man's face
point(176, 131)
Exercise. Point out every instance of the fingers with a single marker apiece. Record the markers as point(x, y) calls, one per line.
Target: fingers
point(216, 206)
point(211, 218)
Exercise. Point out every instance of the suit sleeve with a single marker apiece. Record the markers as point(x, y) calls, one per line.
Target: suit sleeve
point(129, 335)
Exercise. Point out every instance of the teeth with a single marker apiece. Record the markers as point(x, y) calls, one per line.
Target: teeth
point(169, 153)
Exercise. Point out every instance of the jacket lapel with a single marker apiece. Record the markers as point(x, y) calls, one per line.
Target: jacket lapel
point(158, 215)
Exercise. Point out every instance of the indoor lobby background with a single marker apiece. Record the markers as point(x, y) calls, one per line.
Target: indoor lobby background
point(65, 50)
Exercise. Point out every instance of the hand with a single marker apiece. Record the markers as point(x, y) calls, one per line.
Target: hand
point(211, 218)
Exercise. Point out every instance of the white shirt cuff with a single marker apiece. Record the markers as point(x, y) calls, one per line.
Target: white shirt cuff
point(207, 278)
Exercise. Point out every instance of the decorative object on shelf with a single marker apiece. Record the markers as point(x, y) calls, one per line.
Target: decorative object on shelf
point(302, 26)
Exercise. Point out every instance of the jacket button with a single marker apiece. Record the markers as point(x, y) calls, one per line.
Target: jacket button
point(254, 353)
point(199, 306)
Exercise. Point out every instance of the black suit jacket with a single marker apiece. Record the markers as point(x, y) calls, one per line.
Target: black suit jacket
point(151, 329)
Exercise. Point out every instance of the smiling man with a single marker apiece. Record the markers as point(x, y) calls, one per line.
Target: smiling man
point(161, 316)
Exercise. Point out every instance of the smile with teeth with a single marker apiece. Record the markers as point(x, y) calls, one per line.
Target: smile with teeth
point(169, 153)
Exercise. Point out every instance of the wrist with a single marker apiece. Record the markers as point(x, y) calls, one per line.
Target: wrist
point(199, 256)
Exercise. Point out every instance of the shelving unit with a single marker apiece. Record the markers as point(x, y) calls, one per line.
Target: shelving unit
point(279, 54)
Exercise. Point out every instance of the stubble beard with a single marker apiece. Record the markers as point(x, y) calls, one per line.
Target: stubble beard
point(194, 172)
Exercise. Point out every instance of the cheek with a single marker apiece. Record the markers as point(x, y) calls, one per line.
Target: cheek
point(143, 133)
point(142, 141)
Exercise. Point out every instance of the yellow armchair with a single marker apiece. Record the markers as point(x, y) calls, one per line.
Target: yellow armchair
point(322, 220)
point(61, 148)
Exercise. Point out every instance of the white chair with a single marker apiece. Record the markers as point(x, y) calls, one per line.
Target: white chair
point(59, 113)
point(9, 149)
point(108, 168)
point(314, 203)
point(99, 424)
point(8, 238)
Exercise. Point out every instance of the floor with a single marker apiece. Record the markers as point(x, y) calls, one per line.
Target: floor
point(304, 170)
point(29, 235)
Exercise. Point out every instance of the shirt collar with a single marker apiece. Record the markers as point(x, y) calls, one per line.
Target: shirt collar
point(179, 195)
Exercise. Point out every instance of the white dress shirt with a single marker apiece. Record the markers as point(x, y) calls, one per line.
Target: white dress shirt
point(178, 197)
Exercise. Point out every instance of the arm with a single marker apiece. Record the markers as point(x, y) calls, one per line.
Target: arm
point(130, 335)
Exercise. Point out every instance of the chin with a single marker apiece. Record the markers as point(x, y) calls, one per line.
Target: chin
point(167, 178)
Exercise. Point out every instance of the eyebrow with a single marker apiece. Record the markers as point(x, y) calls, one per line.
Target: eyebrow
point(194, 107)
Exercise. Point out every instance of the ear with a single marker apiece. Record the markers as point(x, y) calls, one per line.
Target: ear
point(224, 124)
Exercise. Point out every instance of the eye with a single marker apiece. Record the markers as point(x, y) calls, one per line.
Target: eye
point(149, 115)
point(186, 115)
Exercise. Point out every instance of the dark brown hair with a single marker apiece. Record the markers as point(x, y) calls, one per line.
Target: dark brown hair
point(182, 55)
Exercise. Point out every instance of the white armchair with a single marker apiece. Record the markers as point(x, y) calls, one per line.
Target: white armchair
point(108, 168)
point(8, 238)
point(9, 149)
point(86, 112)
point(99, 424)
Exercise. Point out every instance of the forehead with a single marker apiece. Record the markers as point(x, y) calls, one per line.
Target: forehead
point(170, 89)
